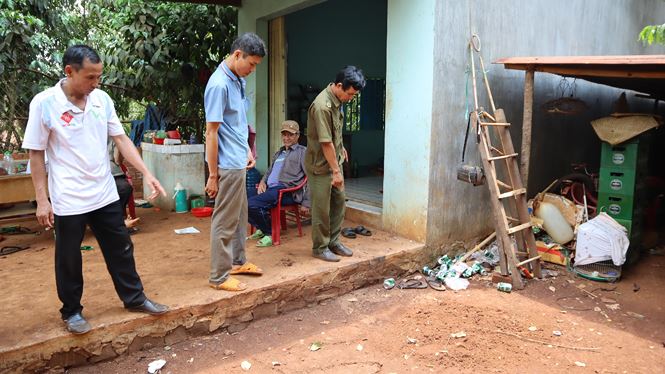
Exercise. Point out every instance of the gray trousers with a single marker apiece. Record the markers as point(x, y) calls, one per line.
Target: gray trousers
point(229, 225)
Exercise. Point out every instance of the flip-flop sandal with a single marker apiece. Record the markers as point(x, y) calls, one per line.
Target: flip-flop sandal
point(348, 232)
point(362, 231)
point(435, 284)
point(247, 269)
point(12, 249)
point(411, 283)
point(230, 284)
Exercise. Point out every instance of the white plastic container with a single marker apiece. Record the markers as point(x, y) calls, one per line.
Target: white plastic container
point(554, 223)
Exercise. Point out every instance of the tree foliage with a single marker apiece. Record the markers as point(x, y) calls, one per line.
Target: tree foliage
point(153, 52)
point(653, 34)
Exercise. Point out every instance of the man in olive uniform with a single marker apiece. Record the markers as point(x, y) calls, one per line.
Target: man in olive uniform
point(323, 163)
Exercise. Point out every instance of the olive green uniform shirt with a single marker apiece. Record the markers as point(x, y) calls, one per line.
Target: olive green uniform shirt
point(324, 125)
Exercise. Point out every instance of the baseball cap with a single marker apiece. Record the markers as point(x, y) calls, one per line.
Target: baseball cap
point(290, 126)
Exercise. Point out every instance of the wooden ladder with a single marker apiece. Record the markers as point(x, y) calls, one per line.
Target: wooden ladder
point(508, 197)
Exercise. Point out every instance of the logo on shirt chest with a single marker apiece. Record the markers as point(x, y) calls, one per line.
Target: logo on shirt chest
point(67, 118)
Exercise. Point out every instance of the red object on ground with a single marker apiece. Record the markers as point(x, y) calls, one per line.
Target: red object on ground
point(205, 211)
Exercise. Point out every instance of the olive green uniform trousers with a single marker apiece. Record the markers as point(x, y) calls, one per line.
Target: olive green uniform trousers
point(328, 205)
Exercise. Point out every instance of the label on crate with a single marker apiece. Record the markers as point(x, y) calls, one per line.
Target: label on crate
point(616, 184)
point(614, 209)
point(618, 158)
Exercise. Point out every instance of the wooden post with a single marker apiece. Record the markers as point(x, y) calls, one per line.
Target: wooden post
point(527, 118)
point(277, 82)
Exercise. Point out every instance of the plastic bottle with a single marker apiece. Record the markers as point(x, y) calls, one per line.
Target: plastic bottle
point(8, 162)
point(554, 223)
point(180, 198)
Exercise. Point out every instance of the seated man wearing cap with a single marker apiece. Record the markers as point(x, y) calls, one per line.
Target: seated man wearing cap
point(286, 170)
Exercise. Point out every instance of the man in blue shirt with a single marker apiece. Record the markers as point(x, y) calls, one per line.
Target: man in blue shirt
point(228, 156)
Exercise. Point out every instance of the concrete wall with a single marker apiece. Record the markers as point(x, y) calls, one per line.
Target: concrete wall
point(409, 103)
point(459, 211)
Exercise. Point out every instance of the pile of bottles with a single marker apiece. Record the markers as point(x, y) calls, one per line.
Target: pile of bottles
point(448, 267)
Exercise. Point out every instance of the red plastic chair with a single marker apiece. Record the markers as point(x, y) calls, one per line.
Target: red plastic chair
point(278, 213)
point(130, 204)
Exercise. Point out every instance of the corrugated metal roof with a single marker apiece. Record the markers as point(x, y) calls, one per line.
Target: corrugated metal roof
point(641, 73)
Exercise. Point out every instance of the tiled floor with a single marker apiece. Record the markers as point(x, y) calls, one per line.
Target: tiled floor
point(368, 190)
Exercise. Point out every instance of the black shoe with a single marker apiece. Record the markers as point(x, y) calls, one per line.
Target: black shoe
point(150, 307)
point(341, 250)
point(76, 324)
point(326, 255)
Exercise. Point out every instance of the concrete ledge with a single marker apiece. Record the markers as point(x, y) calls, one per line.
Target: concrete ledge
point(233, 312)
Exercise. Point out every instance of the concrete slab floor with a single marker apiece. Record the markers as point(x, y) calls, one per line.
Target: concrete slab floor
point(174, 269)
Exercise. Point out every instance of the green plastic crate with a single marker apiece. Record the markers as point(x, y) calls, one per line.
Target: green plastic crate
point(616, 205)
point(624, 155)
point(617, 181)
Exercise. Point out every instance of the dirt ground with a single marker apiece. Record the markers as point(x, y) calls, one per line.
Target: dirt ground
point(174, 270)
point(621, 329)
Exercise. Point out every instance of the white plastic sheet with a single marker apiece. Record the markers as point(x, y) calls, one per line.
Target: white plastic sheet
point(601, 239)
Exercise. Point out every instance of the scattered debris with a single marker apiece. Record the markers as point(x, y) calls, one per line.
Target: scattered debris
point(276, 363)
point(187, 230)
point(359, 347)
point(156, 365)
point(411, 340)
point(228, 352)
point(551, 288)
point(607, 300)
point(557, 333)
point(315, 346)
point(389, 283)
point(191, 359)
point(458, 335)
point(547, 343)
point(533, 328)
point(636, 315)
point(580, 364)
point(613, 306)
point(246, 365)
point(352, 299)
point(325, 322)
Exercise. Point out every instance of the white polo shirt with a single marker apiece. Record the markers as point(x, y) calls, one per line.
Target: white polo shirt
point(75, 141)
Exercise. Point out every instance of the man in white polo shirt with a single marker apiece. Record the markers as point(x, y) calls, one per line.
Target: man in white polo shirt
point(71, 123)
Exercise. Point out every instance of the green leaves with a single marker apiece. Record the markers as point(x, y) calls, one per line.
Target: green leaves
point(653, 34)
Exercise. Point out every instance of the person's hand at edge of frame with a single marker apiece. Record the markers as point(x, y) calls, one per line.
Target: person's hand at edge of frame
point(44, 214)
point(211, 185)
point(155, 187)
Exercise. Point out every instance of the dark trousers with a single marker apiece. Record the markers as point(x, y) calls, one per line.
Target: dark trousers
point(108, 226)
point(258, 208)
point(124, 191)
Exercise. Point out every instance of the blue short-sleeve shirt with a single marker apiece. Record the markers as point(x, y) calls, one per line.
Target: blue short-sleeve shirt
point(225, 102)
